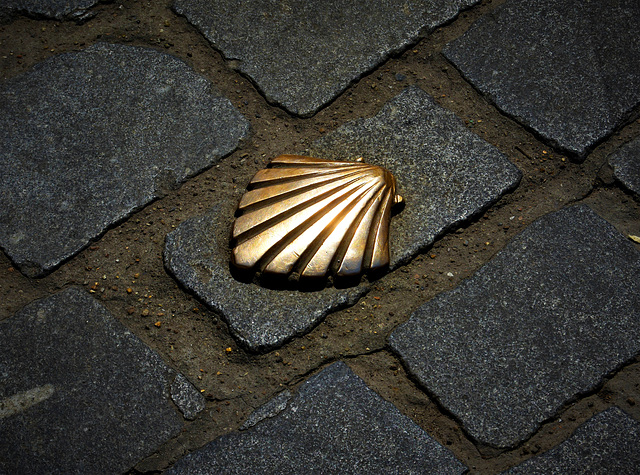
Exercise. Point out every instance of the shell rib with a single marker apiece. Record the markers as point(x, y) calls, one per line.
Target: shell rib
point(315, 217)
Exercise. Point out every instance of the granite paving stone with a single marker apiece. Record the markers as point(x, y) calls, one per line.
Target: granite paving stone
point(626, 165)
point(570, 70)
point(445, 173)
point(79, 393)
point(543, 322)
point(301, 54)
point(607, 443)
point(56, 9)
point(89, 137)
point(334, 424)
point(197, 254)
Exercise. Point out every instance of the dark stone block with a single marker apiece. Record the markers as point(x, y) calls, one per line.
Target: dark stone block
point(90, 137)
point(197, 254)
point(445, 172)
point(56, 9)
point(607, 443)
point(570, 70)
point(334, 424)
point(626, 166)
point(543, 322)
point(81, 394)
point(301, 54)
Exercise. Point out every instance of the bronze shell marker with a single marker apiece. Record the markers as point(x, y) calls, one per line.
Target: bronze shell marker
point(312, 218)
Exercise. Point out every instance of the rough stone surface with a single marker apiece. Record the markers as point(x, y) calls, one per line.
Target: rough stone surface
point(607, 443)
point(270, 409)
point(89, 137)
point(189, 401)
point(445, 173)
point(334, 424)
point(570, 70)
point(303, 54)
point(78, 392)
point(626, 165)
point(56, 9)
point(543, 322)
point(197, 254)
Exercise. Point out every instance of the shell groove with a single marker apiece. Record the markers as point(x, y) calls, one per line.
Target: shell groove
point(315, 217)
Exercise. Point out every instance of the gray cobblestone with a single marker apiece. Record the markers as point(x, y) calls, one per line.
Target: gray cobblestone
point(334, 424)
point(57, 9)
point(570, 70)
point(626, 166)
point(79, 393)
point(304, 54)
point(607, 443)
point(543, 322)
point(90, 137)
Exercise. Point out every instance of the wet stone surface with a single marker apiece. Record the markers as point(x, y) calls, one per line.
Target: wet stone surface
point(334, 424)
point(56, 9)
point(79, 393)
point(569, 70)
point(543, 322)
point(304, 54)
point(607, 443)
point(92, 136)
point(626, 165)
point(445, 173)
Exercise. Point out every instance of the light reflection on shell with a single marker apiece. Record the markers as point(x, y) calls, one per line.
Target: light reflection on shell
point(313, 217)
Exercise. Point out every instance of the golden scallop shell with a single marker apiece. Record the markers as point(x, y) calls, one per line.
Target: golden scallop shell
point(314, 217)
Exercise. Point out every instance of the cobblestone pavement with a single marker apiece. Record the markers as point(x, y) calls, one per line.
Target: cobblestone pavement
point(504, 336)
